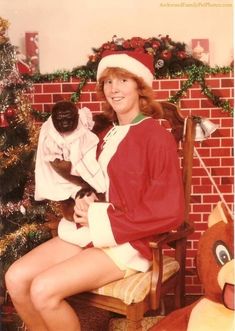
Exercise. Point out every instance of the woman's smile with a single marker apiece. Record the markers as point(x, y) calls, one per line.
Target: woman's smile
point(117, 99)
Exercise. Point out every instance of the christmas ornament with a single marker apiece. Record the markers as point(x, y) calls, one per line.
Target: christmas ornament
point(22, 210)
point(3, 120)
point(10, 112)
point(118, 41)
point(159, 64)
point(23, 67)
point(4, 24)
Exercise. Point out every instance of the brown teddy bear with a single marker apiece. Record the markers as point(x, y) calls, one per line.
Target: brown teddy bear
point(214, 311)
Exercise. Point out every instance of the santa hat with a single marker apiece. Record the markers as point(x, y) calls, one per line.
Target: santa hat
point(139, 64)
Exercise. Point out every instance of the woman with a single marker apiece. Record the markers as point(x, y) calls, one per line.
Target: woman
point(143, 197)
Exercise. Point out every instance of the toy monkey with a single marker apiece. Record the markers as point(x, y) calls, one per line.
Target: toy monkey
point(65, 120)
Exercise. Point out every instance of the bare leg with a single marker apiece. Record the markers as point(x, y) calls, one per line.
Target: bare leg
point(20, 275)
point(89, 269)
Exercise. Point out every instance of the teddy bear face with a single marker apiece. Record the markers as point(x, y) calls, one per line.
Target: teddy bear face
point(215, 263)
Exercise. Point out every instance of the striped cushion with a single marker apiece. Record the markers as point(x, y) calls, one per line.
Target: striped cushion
point(134, 288)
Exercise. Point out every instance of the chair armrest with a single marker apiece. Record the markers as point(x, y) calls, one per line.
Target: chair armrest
point(169, 237)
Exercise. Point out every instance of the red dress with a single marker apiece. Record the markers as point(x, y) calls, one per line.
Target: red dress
point(144, 187)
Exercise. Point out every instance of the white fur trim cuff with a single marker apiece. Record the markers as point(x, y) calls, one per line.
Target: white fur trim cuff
point(99, 225)
point(68, 231)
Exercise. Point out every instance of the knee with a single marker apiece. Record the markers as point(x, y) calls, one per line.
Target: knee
point(41, 294)
point(15, 279)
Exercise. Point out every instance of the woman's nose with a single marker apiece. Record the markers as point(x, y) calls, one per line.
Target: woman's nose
point(115, 87)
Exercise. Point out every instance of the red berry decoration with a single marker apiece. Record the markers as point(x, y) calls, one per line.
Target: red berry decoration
point(181, 55)
point(156, 44)
point(166, 55)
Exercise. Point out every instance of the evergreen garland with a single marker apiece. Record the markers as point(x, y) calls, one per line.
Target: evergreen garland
point(198, 75)
point(171, 60)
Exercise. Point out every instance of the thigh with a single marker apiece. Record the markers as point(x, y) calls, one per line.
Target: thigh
point(44, 256)
point(87, 270)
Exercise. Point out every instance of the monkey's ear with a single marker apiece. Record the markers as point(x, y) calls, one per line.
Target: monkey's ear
point(102, 122)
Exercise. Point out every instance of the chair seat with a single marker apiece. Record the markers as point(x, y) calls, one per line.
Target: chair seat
point(134, 288)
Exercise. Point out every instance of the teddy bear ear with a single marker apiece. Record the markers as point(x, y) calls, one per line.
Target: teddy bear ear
point(219, 213)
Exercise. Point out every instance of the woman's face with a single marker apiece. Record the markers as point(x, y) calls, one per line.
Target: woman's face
point(121, 93)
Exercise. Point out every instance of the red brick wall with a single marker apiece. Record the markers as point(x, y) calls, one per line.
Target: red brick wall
point(216, 151)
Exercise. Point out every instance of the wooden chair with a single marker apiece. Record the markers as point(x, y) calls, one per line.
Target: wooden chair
point(155, 284)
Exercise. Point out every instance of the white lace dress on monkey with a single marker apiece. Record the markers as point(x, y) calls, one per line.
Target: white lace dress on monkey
point(78, 147)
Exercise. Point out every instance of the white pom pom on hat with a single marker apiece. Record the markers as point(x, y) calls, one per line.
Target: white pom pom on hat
point(138, 63)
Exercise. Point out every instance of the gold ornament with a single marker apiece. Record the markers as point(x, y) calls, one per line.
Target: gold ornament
point(4, 24)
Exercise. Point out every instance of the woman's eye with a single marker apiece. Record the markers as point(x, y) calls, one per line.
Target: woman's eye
point(107, 81)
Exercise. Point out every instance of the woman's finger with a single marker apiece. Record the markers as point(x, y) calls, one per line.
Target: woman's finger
point(81, 218)
point(90, 198)
point(81, 204)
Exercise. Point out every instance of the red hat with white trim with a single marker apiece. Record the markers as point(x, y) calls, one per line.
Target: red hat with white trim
point(139, 64)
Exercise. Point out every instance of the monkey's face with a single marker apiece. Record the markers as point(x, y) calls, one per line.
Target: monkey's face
point(65, 120)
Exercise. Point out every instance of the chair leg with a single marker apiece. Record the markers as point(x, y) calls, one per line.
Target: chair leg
point(134, 316)
point(180, 285)
point(162, 308)
point(134, 325)
point(180, 292)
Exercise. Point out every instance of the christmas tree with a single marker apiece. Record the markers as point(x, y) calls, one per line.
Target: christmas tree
point(22, 219)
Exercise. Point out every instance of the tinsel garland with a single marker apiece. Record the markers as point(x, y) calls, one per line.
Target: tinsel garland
point(25, 225)
point(16, 244)
point(33, 209)
point(24, 115)
point(14, 154)
point(12, 85)
point(7, 56)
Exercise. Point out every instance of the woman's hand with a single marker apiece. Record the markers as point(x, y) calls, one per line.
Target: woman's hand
point(81, 209)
